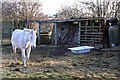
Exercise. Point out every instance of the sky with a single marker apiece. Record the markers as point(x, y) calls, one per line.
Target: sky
point(51, 7)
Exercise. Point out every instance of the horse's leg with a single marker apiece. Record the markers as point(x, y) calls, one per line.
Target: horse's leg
point(28, 53)
point(23, 57)
point(14, 52)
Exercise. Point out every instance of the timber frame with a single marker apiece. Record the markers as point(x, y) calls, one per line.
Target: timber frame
point(91, 31)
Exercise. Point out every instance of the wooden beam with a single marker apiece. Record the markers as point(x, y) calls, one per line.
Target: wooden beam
point(65, 35)
point(79, 31)
point(55, 30)
point(73, 32)
point(90, 26)
point(27, 24)
point(93, 34)
point(12, 25)
point(38, 35)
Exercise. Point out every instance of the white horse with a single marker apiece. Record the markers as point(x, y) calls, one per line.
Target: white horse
point(24, 40)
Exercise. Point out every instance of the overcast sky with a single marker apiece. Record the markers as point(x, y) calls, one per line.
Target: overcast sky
point(50, 7)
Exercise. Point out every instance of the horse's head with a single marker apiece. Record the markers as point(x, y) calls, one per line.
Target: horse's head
point(31, 36)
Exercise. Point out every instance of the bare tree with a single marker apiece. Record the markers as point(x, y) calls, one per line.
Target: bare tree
point(102, 8)
point(14, 10)
point(98, 8)
point(69, 11)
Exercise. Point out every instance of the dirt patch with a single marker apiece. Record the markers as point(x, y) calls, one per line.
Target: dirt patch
point(59, 63)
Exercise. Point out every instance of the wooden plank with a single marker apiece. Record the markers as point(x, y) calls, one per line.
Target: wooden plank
point(92, 38)
point(65, 35)
point(73, 31)
point(38, 33)
point(55, 30)
point(91, 30)
point(85, 34)
point(79, 31)
point(100, 33)
point(27, 24)
point(88, 41)
point(90, 26)
point(91, 35)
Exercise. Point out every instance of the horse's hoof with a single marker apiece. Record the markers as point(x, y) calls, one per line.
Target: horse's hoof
point(17, 69)
point(16, 60)
point(24, 67)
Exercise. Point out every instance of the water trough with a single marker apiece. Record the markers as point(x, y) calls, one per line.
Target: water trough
point(81, 49)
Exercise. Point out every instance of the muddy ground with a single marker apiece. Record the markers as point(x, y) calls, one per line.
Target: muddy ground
point(50, 62)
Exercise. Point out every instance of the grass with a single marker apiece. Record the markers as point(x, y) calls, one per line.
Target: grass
point(59, 63)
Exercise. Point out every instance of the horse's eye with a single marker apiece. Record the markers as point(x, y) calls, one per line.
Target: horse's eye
point(31, 37)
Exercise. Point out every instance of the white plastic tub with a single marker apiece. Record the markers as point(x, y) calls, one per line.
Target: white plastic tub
point(81, 49)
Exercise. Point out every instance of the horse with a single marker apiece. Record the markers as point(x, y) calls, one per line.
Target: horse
point(23, 40)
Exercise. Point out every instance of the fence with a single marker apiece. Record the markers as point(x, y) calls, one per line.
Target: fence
point(7, 29)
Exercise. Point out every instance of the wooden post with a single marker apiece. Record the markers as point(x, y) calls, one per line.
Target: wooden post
point(12, 25)
point(27, 24)
point(55, 30)
point(38, 33)
point(79, 31)
point(93, 34)
point(86, 25)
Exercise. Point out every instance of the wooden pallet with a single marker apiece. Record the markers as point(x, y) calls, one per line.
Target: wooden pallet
point(90, 35)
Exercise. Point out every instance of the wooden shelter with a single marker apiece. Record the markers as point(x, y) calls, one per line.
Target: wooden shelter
point(83, 31)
